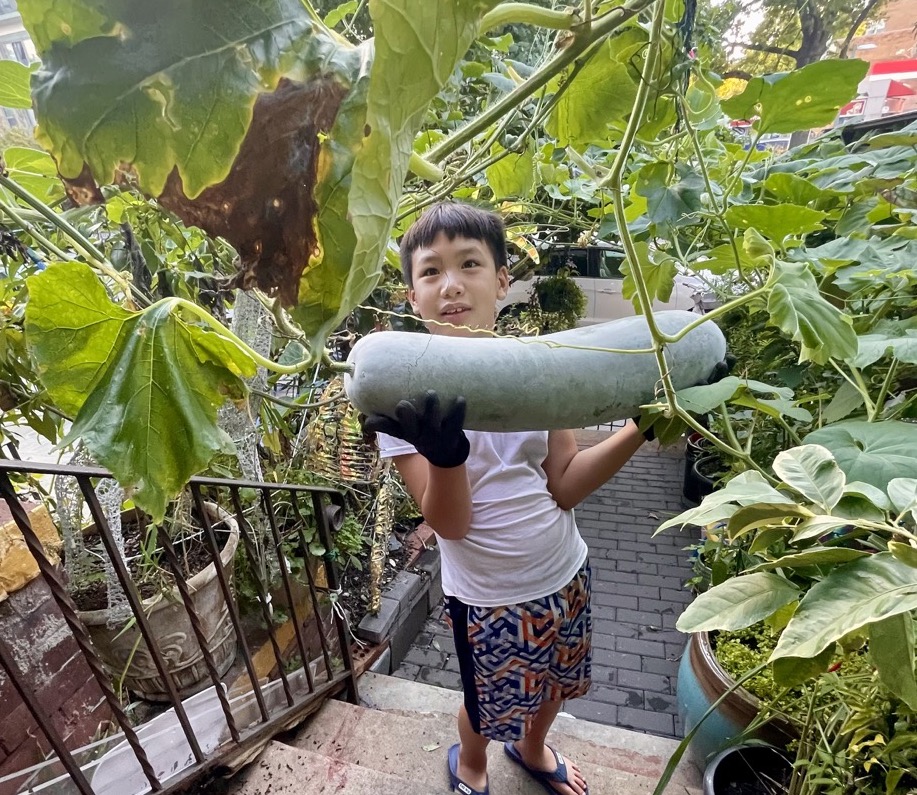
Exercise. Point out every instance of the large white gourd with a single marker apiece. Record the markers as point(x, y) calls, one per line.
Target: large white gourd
point(533, 383)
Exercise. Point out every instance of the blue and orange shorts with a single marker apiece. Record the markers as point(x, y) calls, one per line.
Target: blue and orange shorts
point(514, 657)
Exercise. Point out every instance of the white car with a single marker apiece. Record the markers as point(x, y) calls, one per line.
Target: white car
point(597, 270)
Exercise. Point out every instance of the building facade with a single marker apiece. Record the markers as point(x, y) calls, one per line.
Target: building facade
point(15, 45)
point(889, 46)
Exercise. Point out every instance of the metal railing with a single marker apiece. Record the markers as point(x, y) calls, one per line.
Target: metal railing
point(224, 726)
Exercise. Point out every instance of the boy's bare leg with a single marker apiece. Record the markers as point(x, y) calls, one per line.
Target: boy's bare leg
point(472, 765)
point(537, 755)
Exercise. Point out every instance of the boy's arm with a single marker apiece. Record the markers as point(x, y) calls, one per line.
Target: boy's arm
point(443, 495)
point(574, 474)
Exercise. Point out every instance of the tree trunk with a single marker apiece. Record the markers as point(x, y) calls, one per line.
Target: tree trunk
point(815, 38)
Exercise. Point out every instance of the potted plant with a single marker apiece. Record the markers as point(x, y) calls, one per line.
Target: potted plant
point(114, 632)
point(750, 769)
point(832, 560)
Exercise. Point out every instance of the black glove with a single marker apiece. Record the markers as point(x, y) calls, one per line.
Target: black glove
point(439, 438)
point(718, 373)
point(720, 370)
point(649, 434)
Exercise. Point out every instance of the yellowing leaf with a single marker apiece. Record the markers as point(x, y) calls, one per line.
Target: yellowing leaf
point(144, 386)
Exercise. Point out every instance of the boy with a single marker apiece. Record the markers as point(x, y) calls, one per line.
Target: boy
point(514, 567)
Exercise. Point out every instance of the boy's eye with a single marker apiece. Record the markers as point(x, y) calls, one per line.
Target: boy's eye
point(470, 263)
point(431, 271)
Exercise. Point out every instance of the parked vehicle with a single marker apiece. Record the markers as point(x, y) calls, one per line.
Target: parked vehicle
point(597, 271)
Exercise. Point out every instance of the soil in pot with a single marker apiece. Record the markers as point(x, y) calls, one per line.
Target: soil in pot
point(748, 770)
point(192, 552)
point(120, 645)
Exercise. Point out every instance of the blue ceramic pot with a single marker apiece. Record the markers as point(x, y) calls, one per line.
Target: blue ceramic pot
point(701, 681)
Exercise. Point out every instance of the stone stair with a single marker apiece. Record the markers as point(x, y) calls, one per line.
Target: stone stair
point(396, 742)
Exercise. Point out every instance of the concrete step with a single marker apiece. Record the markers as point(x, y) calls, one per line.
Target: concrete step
point(282, 769)
point(410, 726)
point(634, 752)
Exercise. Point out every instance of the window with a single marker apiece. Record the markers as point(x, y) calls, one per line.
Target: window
point(573, 258)
point(610, 265)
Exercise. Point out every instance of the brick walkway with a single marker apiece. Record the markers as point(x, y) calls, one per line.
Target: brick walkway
point(637, 596)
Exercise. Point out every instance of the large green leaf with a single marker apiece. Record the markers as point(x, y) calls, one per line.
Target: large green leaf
point(601, 93)
point(817, 526)
point(812, 471)
point(847, 399)
point(35, 171)
point(775, 221)
point(221, 121)
point(891, 647)
point(673, 194)
point(177, 94)
point(14, 85)
point(903, 494)
point(52, 21)
point(144, 386)
point(704, 399)
point(816, 556)
point(791, 671)
point(400, 88)
point(751, 517)
point(747, 488)
point(260, 126)
point(738, 603)
point(513, 177)
point(872, 347)
point(799, 100)
point(798, 308)
point(795, 189)
point(658, 274)
point(701, 102)
point(852, 596)
point(871, 452)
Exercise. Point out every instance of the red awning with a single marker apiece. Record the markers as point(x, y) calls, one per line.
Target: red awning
point(904, 66)
point(897, 89)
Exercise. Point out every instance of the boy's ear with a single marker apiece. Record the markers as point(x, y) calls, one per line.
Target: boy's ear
point(502, 283)
point(412, 302)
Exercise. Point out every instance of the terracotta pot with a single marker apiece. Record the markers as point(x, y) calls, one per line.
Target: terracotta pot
point(701, 681)
point(125, 654)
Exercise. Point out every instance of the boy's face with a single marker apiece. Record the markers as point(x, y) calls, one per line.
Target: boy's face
point(456, 282)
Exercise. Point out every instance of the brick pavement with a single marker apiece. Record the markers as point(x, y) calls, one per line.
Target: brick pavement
point(637, 597)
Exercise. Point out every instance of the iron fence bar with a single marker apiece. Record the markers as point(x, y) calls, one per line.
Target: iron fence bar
point(288, 589)
point(262, 601)
point(130, 591)
point(47, 727)
point(218, 565)
point(43, 468)
point(198, 630)
point(334, 584)
point(256, 738)
point(65, 604)
point(245, 741)
point(312, 590)
point(251, 552)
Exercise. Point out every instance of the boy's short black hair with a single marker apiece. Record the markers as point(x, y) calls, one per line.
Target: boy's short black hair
point(455, 220)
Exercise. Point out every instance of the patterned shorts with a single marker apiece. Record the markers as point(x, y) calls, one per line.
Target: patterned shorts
point(514, 657)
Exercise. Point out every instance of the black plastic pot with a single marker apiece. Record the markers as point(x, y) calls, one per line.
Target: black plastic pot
point(697, 484)
point(748, 770)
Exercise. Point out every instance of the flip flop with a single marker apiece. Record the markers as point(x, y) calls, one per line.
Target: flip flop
point(543, 777)
point(455, 782)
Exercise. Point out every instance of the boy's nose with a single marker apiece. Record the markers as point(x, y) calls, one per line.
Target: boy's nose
point(452, 285)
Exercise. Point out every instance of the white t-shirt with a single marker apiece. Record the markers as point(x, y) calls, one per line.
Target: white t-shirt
point(520, 544)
